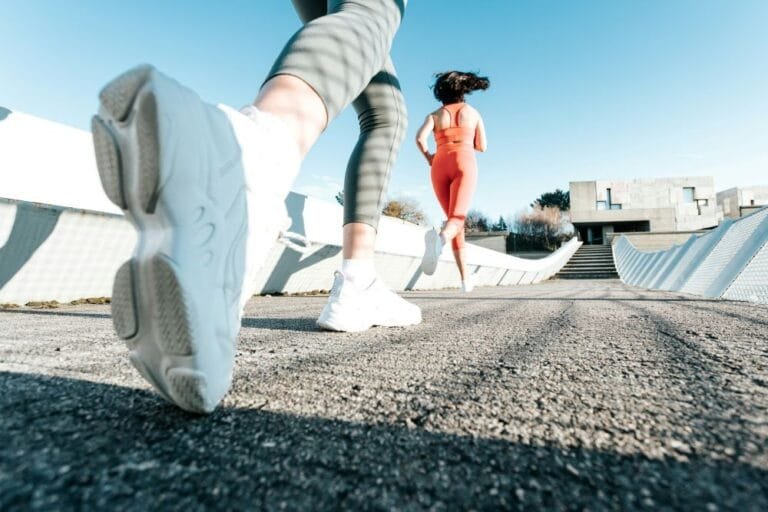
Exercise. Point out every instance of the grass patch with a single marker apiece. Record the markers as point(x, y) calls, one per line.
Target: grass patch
point(309, 293)
point(92, 300)
point(43, 304)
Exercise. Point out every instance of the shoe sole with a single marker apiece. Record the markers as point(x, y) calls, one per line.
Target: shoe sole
point(153, 308)
point(332, 322)
point(430, 259)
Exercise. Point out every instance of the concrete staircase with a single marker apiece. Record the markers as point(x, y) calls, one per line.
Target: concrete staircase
point(590, 262)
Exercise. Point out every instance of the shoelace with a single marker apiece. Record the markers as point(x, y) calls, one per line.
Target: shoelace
point(336, 288)
point(295, 241)
point(290, 238)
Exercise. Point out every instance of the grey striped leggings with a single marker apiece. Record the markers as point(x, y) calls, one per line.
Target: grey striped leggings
point(342, 52)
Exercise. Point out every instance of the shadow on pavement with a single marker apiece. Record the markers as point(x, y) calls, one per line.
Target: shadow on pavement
point(282, 324)
point(737, 316)
point(75, 444)
point(55, 312)
point(462, 297)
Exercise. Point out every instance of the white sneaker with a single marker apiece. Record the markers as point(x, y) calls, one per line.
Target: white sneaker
point(433, 247)
point(351, 309)
point(179, 168)
point(468, 284)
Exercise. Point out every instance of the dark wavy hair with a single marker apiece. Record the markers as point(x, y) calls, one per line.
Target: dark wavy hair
point(451, 86)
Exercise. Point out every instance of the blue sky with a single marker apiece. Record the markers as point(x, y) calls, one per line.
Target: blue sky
point(587, 89)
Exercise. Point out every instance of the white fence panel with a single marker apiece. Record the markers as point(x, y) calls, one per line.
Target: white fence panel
point(63, 254)
point(729, 262)
point(722, 254)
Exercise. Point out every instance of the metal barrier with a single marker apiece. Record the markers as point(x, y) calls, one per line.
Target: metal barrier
point(730, 261)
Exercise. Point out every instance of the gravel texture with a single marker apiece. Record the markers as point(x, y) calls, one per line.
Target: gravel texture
point(562, 395)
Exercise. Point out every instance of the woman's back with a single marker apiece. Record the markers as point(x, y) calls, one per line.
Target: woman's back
point(455, 125)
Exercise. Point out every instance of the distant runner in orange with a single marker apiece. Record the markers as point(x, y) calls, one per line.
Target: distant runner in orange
point(459, 132)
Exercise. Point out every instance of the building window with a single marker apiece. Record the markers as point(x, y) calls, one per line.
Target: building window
point(608, 204)
point(601, 205)
point(700, 203)
point(688, 193)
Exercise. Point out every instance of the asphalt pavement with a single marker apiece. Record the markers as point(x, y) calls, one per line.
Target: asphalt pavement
point(566, 395)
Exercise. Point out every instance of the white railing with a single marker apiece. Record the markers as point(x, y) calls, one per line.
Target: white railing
point(63, 254)
point(730, 262)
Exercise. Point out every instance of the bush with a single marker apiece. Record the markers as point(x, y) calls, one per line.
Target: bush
point(541, 228)
point(406, 209)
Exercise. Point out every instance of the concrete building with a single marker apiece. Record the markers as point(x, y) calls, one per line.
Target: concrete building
point(739, 201)
point(494, 240)
point(601, 208)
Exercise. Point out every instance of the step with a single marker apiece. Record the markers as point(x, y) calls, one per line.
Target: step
point(587, 276)
point(591, 261)
point(587, 269)
point(577, 265)
point(585, 272)
point(590, 271)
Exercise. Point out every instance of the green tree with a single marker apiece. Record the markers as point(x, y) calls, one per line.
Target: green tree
point(340, 198)
point(557, 199)
point(477, 221)
point(501, 225)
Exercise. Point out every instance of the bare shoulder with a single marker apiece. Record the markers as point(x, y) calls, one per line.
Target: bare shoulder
point(469, 114)
point(436, 112)
point(470, 110)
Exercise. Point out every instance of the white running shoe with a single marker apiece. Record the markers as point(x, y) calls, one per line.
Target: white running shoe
point(180, 169)
point(468, 284)
point(433, 247)
point(351, 309)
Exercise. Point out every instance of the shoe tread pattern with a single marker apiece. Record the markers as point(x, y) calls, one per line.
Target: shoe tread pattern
point(149, 154)
point(108, 162)
point(188, 388)
point(124, 303)
point(118, 96)
point(174, 310)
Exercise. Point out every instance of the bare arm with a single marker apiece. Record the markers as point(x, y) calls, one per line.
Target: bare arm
point(481, 144)
point(422, 135)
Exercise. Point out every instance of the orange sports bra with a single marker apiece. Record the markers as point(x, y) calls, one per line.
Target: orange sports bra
point(455, 134)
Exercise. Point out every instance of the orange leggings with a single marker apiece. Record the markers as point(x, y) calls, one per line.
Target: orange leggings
point(454, 178)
